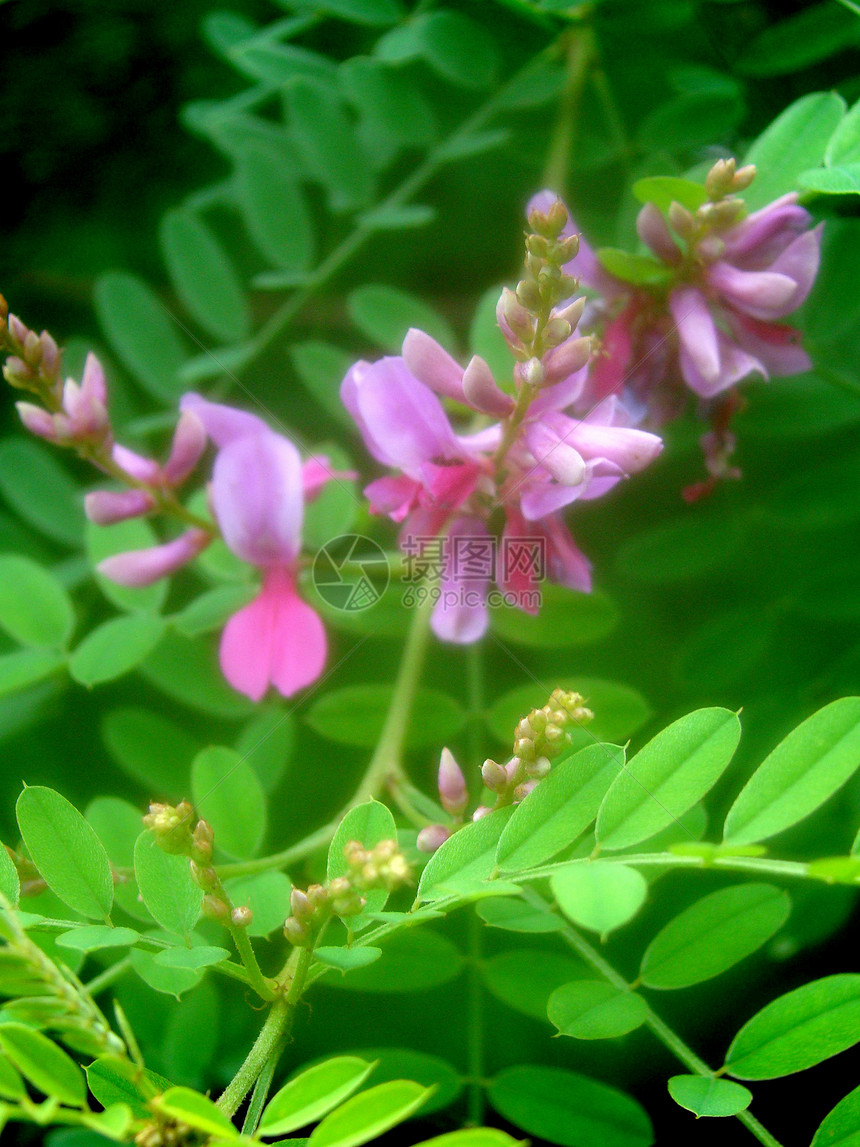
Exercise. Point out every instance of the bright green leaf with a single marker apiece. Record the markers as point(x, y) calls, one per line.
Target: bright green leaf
point(589, 1009)
point(115, 647)
point(170, 981)
point(512, 915)
point(34, 607)
point(640, 270)
point(705, 1096)
point(212, 609)
point(227, 793)
point(204, 956)
point(196, 1110)
point(663, 190)
point(466, 860)
point(165, 885)
point(69, 856)
point(369, 1114)
point(347, 959)
point(313, 1093)
point(841, 180)
point(598, 894)
point(813, 761)
point(26, 667)
point(667, 777)
point(95, 937)
point(841, 1127)
point(115, 1080)
point(10, 885)
point(368, 823)
point(428, 1070)
point(267, 894)
point(44, 1064)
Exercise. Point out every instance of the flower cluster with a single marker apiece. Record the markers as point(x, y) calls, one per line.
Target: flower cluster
point(706, 310)
point(526, 456)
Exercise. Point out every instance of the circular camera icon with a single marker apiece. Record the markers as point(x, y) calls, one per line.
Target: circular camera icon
point(351, 573)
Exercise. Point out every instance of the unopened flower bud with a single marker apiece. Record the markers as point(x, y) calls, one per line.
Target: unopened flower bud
point(4, 308)
point(297, 932)
point(50, 354)
point(555, 332)
point(567, 249)
point(18, 374)
point(568, 358)
point(532, 373)
point(495, 777)
point(512, 313)
point(300, 906)
point(572, 312)
point(242, 916)
point(17, 330)
point(214, 908)
point(32, 350)
point(481, 811)
point(710, 248)
point(720, 178)
point(453, 793)
point(432, 837)
point(523, 790)
point(538, 246)
point(744, 177)
point(722, 214)
point(105, 507)
point(538, 768)
point(528, 293)
point(204, 876)
point(339, 886)
point(682, 220)
point(653, 230)
point(37, 421)
point(317, 895)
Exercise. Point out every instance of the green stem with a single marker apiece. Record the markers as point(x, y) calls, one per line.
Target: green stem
point(261, 1090)
point(580, 54)
point(756, 865)
point(274, 1033)
point(669, 1038)
point(248, 956)
point(475, 1027)
point(108, 976)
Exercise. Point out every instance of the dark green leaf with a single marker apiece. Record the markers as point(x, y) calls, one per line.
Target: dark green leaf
point(705, 1096)
point(566, 618)
point(212, 609)
point(273, 206)
point(376, 13)
point(389, 101)
point(598, 894)
point(798, 1030)
point(802, 39)
point(569, 1109)
point(35, 609)
point(40, 490)
point(525, 978)
point(152, 750)
point(714, 934)
point(690, 120)
point(459, 49)
point(278, 64)
point(205, 279)
point(813, 761)
point(188, 671)
point(688, 547)
point(588, 1009)
point(321, 368)
point(398, 218)
point(384, 314)
point(465, 145)
point(44, 1064)
point(228, 794)
point(327, 141)
point(69, 856)
point(355, 715)
point(514, 915)
point(141, 331)
point(347, 959)
point(413, 960)
point(266, 743)
point(115, 647)
point(165, 885)
point(667, 777)
point(559, 809)
point(313, 1093)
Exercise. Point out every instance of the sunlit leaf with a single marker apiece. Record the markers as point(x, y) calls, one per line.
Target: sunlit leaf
point(599, 895)
point(710, 1097)
point(312, 1094)
point(591, 1009)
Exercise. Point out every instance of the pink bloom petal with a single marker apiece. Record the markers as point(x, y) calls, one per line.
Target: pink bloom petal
point(567, 359)
point(555, 453)
point(774, 345)
point(37, 420)
point(257, 498)
point(630, 450)
point(800, 261)
point(223, 423)
point(697, 332)
point(189, 442)
point(277, 639)
point(393, 496)
point(432, 365)
point(756, 241)
point(762, 294)
point(104, 507)
point(143, 469)
point(143, 567)
point(481, 392)
point(734, 364)
point(93, 385)
point(654, 231)
point(460, 615)
point(317, 471)
point(567, 564)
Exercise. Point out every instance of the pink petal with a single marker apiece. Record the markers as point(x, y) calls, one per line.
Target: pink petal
point(189, 442)
point(481, 392)
point(93, 385)
point(223, 423)
point(143, 469)
point(762, 294)
point(394, 496)
point(432, 365)
point(697, 331)
point(776, 346)
point(257, 498)
point(143, 567)
point(756, 241)
point(654, 231)
point(105, 507)
point(555, 454)
point(277, 639)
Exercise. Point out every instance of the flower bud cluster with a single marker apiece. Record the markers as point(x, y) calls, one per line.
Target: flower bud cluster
point(35, 359)
point(171, 826)
point(383, 866)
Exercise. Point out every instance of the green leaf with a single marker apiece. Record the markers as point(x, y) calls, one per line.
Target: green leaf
point(525, 978)
point(566, 618)
point(559, 809)
point(266, 743)
point(598, 894)
point(114, 648)
point(466, 145)
point(803, 405)
point(458, 48)
point(619, 710)
point(205, 279)
point(813, 761)
point(26, 667)
point(841, 1127)
point(188, 672)
point(667, 777)
point(392, 107)
point(321, 368)
point(115, 1080)
point(466, 860)
point(690, 121)
point(727, 648)
point(165, 886)
point(150, 749)
point(514, 915)
point(204, 956)
point(384, 314)
point(141, 331)
point(704, 1096)
point(273, 206)
point(35, 610)
point(798, 1030)
point(312, 1094)
point(347, 959)
point(375, 13)
point(170, 981)
point(267, 895)
point(10, 885)
point(714, 934)
point(326, 138)
point(841, 180)
point(570, 1109)
point(69, 856)
point(278, 64)
point(428, 1070)
point(227, 793)
point(368, 823)
point(794, 142)
point(11, 1083)
point(95, 937)
point(196, 1110)
point(588, 1009)
point(844, 145)
point(663, 190)
point(799, 41)
point(640, 270)
point(369, 1114)
point(355, 715)
point(414, 960)
point(688, 547)
point(44, 1064)
point(105, 541)
point(40, 490)
point(212, 609)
